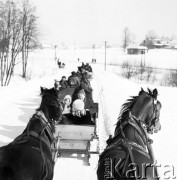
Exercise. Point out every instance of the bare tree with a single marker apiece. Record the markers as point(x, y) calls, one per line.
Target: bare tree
point(29, 32)
point(149, 37)
point(126, 38)
point(9, 40)
point(18, 32)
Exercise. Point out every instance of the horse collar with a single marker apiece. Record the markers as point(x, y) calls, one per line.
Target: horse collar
point(43, 118)
point(142, 125)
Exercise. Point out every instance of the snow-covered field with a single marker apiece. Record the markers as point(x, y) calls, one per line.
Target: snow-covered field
point(19, 101)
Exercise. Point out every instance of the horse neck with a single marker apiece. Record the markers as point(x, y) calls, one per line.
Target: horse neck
point(142, 110)
point(131, 130)
point(45, 111)
point(38, 129)
point(49, 112)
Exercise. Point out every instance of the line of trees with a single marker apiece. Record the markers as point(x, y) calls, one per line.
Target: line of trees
point(129, 38)
point(18, 34)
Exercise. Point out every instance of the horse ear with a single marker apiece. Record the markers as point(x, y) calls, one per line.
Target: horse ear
point(150, 92)
point(142, 90)
point(155, 93)
point(43, 90)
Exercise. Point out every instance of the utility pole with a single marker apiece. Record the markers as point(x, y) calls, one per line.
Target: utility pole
point(74, 50)
point(93, 51)
point(55, 52)
point(105, 56)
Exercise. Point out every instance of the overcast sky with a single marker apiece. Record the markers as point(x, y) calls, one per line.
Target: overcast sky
point(94, 21)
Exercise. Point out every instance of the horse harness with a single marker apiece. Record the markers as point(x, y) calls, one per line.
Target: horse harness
point(140, 128)
point(129, 145)
point(40, 115)
point(24, 137)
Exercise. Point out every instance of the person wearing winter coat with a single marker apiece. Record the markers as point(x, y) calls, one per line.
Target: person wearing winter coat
point(85, 83)
point(63, 82)
point(73, 80)
point(80, 114)
point(78, 108)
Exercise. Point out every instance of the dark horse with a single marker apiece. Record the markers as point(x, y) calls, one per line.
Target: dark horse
point(29, 156)
point(129, 154)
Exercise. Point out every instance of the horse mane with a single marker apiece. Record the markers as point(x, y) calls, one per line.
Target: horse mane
point(126, 107)
point(124, 115)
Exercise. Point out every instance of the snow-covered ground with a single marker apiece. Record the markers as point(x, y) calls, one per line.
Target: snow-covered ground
point(19, 101)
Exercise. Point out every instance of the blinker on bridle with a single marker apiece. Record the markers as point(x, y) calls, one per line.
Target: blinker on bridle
point(145, 125)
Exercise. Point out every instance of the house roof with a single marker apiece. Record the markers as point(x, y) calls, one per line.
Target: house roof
point(133, 46)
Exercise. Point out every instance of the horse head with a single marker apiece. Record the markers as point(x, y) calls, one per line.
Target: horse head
point(32, 150)
point(146, 108)
point(51, 105)
point(131, 144)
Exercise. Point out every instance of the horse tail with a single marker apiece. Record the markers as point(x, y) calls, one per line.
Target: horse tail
point(6, 173)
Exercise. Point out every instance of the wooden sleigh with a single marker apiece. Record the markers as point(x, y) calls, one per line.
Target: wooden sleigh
point(75, 139)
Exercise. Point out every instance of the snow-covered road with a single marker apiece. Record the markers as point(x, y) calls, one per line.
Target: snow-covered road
point(17, 105)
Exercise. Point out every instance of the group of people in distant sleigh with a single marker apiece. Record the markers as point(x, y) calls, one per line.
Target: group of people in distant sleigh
point(81, 104)
point(83, 74)
point(60, 64)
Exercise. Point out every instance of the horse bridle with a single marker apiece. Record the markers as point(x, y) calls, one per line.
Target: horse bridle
point(47, 127)
point(148, 127)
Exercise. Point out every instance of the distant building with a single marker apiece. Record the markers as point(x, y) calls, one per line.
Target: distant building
point(157, 43)
point(174, 44)
point(134, 49)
